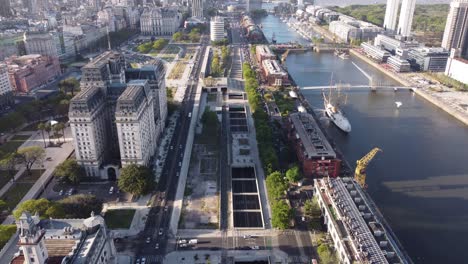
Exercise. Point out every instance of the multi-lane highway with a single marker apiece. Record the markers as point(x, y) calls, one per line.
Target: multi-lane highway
point(154, 239)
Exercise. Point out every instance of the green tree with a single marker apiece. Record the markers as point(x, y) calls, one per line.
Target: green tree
point(326, 255)
point(41, 127)
point(81, 205)
point(39, 206)
point(48, 129)
point(69, 85)
point(194, 35)
point(276, 185)
point(145, 47)
point(28, 156)
point(69, 171)
point(3, 205)
point(135, 179)
point(177, 36)
point(56, 211)
point(9, 163)
point(312, 208)
point(6, 232)
point(293, 174)
point(159, 44)
point(280, 214)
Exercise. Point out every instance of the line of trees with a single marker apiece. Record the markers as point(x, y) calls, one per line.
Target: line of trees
point(152, 45)
point(194, 35)
point(35, 111)
point(75, 206)
point(27, 157)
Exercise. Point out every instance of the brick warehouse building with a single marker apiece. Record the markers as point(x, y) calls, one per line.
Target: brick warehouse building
point(315, 154)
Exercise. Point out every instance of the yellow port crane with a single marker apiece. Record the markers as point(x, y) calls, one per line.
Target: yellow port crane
point(360, 172)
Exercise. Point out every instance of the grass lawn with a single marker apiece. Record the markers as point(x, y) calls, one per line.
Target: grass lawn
point(35, 174)
point(12, 145)
point(16, 193)
point(116, 219)
point(177, 71)
point(4, 178)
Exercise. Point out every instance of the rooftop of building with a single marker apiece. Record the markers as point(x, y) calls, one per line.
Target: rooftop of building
point(312, 138)
point(355, 218)
point(264, 50)
point(273, 67)
point(103, 59)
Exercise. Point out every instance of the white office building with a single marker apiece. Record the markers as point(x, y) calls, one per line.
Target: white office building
point(391, 13)
point(217, 28)
point(40, 43)
point(197, 8)
point(134, 117)
point(456, 29)
point(374, 52)
point(159, 21)
point(6, 90)
point(406, 18)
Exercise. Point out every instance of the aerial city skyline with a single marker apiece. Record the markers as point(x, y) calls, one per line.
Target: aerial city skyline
point(250, 131)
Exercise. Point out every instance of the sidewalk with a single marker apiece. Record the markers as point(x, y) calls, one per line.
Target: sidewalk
point(186, 257)
point(7, 186)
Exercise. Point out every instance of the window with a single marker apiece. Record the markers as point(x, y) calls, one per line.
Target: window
point(32, 259)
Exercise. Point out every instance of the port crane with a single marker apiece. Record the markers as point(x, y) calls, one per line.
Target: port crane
point(360, 172)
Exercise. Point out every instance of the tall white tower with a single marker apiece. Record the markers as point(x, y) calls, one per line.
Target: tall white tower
point(197, 8)
point(406, 18)
point(456, 29)
point(391, 12)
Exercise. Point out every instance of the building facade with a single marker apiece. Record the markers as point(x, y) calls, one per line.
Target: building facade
point(5, 9)
point(159, 21)
point(40, 43)
point(457, 69)
point(274, 74)
point(217, 28)
point(253, 5)
point(456, 28)
point(314, 152)
point(428, 59)
point(197, 8)
point(391, 14)
point(406, 18)
point(31, 71)
point(6, 91)
point(376, 53)
point(263, 52)
point(118, 116)
point(64, 241)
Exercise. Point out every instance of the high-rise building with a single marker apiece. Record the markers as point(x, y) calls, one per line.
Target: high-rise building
point(5, 9)
point(456, 29)
point(406, 18)
point(6, 90)
point(217, 28)
point(117, 117)
point(197, 8)
point(253, 5)
point(391, 13)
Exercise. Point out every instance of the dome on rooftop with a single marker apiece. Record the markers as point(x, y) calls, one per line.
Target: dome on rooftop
point(93, 221)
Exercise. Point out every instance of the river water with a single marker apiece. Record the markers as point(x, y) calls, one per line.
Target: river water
point(420, 180)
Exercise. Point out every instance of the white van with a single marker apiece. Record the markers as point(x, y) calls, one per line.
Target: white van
point(111, 190)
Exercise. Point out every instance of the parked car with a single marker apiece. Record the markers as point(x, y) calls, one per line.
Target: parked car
point(157, 246)
point(160, 231)
point(71, 191)
point(148, 240)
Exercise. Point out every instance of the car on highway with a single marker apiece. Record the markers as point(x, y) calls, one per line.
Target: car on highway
point(143, 260)
point(148, 240)
point(165, 208)
point(255, 247)
point(157, 246)
point(160, 231)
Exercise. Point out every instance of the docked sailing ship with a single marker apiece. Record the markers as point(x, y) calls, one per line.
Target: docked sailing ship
point(334, 112)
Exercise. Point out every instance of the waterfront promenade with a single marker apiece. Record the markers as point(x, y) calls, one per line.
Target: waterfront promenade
point(451, 101)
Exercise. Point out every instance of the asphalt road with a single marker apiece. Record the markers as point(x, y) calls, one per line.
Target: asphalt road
point(159, 216)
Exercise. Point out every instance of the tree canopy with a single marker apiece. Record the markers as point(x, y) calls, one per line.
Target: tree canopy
point(160, 44)
point(276, 185)
point(81, 205)
point(28, 156)
point(69, 171)
point(281, 214)
point(32, 206)
point(135, 179)
point(293, 174)
point(69, 85)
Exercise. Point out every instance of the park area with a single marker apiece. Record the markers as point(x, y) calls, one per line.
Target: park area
point(19, 189)
point(119, 219)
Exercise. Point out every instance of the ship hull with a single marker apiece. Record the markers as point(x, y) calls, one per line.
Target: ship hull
point(339, 120)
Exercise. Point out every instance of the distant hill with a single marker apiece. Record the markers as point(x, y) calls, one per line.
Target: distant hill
point(428, 23)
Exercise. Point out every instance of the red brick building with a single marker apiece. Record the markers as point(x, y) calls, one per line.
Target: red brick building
point(31, 71)
point(315, 154)
point(263, 52)
point(274, 74)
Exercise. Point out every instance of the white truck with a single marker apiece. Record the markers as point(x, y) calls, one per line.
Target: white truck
point(193, 241)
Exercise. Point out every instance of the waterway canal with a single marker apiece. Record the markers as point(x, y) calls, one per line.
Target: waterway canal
point(420, 181)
